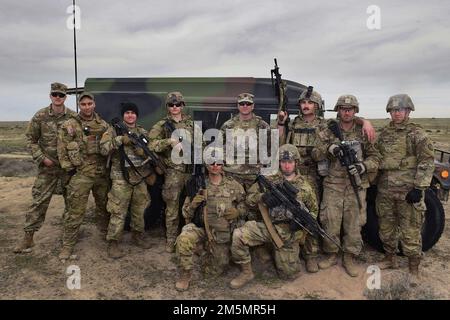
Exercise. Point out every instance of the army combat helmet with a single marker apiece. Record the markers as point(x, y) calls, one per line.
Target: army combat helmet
point(289, 152)
point(174, 98)
point(311, 95)
point(399, 101)
point(347, 100)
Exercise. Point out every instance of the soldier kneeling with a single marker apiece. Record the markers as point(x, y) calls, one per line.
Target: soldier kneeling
point(211, 215)
point(278, 227)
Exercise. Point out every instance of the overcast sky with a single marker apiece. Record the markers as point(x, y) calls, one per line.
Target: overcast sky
point(326, 44)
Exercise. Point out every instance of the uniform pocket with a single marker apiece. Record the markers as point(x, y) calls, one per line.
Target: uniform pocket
point(73, 152)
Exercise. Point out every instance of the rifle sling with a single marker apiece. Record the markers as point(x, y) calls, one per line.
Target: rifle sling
point(126, 176)
point(205, 219)
point(269, 225)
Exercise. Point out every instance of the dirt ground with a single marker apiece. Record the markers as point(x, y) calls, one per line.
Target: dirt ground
point(150, 274)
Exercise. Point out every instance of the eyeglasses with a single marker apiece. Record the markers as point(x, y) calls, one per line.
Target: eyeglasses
point(178, 105)
point(58, 94)
point(346, 109)
point(245, 103)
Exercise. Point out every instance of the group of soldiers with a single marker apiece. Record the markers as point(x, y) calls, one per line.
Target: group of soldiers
point(232, 216)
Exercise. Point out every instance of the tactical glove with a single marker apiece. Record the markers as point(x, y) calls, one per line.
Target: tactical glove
point(360, 167)
point(270, 200)
point(197, 200)
point(139, 152)
point(118, 140)
point(231, 213)
point(352, 170)
point(126, 140)
point(335, 150)
point(414, 196)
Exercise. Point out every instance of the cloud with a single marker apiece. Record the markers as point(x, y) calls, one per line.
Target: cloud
point(324, 44)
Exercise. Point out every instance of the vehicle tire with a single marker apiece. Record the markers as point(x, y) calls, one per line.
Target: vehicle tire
point(431, 231)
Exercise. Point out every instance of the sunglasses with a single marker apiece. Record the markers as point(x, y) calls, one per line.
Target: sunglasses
point(178, 105)
point(401, 109)
point(217, 164)
point(58, 94)
point(245, 103)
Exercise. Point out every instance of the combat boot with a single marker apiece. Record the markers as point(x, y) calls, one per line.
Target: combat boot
point(138, 239)
point(244, 277)
point(114, 250)
point(170, 246)
point(26, 244)
point(184, 278)
point(414, 267)
point(331, 260)
point(311, 265)
point(389, 262)
point(349, 264)
point(65, 253)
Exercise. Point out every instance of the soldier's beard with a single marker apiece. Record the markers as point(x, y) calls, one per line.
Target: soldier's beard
point(288, 173)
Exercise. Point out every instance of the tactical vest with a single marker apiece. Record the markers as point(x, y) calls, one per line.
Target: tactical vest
point(256, 123)
point(220, 198)
point(187, 124)
point(353, 138)
point(84, 153)
point(397, 148)
point(303, 135)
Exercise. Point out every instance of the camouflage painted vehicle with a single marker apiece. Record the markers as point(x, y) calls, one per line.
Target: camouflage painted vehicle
point(213, 101)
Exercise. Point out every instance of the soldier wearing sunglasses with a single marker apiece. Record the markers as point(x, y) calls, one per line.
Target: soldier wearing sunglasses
point(41, 136)
point(161, 141)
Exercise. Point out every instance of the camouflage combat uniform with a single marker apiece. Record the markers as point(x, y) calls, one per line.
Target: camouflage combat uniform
point(407, 162)
point(245, 173)
point(303, 135)
point(41, 136)
point(79, 149)
point(177, 174)
point(255, 233)
point(229, 193)
point(124, 195)
point(339, 207)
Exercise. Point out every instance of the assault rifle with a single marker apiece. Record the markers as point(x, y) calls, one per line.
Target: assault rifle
point(347, 157)
point(196, 184)
point(140, 141)
point(286, 194)
point(280, 88)
point(170, 127)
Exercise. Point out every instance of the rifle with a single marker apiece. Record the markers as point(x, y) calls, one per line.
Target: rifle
point(286, 193)
point(347, 158)
point(140, 141)
point(195, 185)
point(170, 127)
point(280, 88)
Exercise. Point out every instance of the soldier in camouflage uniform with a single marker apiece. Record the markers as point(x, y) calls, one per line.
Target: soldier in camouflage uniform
point(79, 154)
point(255, 233)
point(161, 141)
point(129, 188)
point(406, 170)
point(223, 204)
point(302, 132)
point(339, 209)
point(41, 136)
point(245, 120)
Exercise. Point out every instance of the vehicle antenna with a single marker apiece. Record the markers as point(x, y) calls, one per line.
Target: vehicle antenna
point(75, 54)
